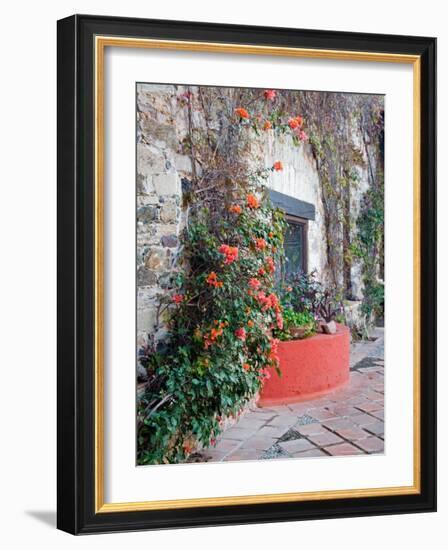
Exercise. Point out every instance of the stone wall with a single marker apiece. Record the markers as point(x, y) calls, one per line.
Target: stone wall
point(161, 169)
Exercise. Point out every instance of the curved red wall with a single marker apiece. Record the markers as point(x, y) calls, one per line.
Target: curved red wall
point(309, 368)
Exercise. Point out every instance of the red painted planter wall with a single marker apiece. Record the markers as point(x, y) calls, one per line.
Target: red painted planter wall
point(309, 367)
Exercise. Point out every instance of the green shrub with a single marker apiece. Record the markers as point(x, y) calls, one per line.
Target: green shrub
point(293, 319)
point(220, 318)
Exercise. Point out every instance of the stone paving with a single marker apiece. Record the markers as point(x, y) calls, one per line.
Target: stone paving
point(348, 421)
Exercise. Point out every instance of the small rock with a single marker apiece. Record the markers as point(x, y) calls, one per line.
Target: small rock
point(329, 328)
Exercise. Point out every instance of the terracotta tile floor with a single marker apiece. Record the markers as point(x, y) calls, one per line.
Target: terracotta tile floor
point(349, 421)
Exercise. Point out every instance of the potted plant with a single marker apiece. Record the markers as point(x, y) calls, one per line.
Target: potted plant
point(296, 325)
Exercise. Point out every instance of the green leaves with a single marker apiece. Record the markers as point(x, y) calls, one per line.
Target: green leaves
point(204, 369)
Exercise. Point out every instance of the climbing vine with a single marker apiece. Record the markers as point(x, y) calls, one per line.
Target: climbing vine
point(346, 135)
point(369, 248)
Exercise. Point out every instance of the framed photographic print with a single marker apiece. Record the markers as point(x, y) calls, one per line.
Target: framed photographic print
point(246, 274)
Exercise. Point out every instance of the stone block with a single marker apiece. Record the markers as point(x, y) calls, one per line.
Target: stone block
point(160, 134)
point(311, 429)
point(170, 241)
point(371, 444)
point(324, 439)
point(168, 212)
point(296, 445)
point(144, 185)
point(166, 184)
point(377, 428)
point(146, 277)
point(182, 163)
point(146, 320)
point(352, 433)
point(149, 160)
point(157, 259)
point(240, 434)
point(343, 449)
point(310, 453)
point(147, 214)
point(243, 454)
point(283, 420)
point(259, 442)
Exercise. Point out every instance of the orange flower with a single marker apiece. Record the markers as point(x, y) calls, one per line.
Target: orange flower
point(177, 298)
point(230, 252)
point(267, 125)
point(212, 280)
point(215, 333)
point(269, 302)
point(252, 201)
point(246, 366)
point(277, 166)
point(270, 94)
point(235, 209)
point(241, 112)
point(270, 234)
point(260, 244)
point(270, 265)
point(250, 323)
point(292, 123)
point(254, 283)
point(295, 122)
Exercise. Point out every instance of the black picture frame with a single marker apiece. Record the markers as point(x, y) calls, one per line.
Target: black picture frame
point(76, 253)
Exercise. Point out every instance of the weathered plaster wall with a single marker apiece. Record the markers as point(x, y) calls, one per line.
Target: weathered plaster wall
point(299, 179)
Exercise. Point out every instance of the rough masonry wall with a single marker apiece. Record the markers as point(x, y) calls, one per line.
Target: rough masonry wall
point(160, 169)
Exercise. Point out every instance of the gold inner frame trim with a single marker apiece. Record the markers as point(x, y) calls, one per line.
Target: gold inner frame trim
point(101, 42)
